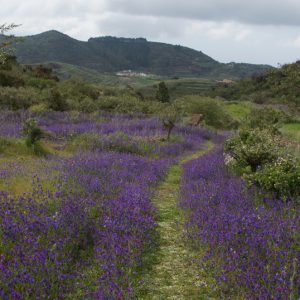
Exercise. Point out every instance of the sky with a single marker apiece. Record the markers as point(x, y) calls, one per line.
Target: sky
point(256, 31)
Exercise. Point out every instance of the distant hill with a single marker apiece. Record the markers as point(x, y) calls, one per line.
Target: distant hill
point(111, 54)
point(275, 86)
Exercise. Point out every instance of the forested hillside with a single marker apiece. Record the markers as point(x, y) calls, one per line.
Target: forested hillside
point(277, 85)
point(111, 54)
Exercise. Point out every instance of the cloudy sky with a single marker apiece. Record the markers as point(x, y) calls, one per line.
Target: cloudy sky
point(257, 31)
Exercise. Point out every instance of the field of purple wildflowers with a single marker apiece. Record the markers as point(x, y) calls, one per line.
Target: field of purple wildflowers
point(77, 222)
point(252, 247)
point(79, 226)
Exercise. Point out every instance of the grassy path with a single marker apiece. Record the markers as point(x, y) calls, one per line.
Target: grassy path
point(173, 275)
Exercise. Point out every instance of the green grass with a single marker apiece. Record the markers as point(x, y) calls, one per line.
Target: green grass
point(13, 151)
point(179, 87)
point(291, 131)
point(12, 147)
point(21, 182)
point(238, 110)
point(173, 274)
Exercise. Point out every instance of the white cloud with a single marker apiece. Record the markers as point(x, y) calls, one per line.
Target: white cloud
point(254, 12)
point(296, 42)
point(227, 30)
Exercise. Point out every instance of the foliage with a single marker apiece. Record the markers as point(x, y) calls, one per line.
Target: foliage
point(6, 42)
point(169, 115)
point(56, 101)
point(177, 87)
point(33, 135)
point(38, 108)
point(281, 177)
point(253, 147)
point(214, 113)
point(110, 54)
point(260, 149)
point(275, 86)
point(13, 98)
point(266, 117)
point(162, 93)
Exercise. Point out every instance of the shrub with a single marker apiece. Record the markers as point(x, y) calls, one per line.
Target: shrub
point(281, 177)
point(267, 117)
point(40, 83)
point(214, 114)
point(33, 135)
point(162, 93)
point(253, 148)
point(7, 79)
point(88, 105)
point(38, 108)
point(12, 98)
point(56, 101)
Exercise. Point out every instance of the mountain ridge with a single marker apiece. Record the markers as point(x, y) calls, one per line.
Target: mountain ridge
point(112, 54)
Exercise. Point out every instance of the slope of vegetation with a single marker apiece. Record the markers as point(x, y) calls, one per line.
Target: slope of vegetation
point(276, 86)
point(110, 54)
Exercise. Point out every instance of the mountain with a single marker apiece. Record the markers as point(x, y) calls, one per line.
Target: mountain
point(111, 54)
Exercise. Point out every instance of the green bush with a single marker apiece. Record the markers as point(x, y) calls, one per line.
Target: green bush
point(38, 108)
point(56, 101)
point(253, 148)
point(281, 177)
point(8, 79)
point(267, 117)
point(214, 113)
point(88, 105)
point(33, 136)
point(162, 93)
point(78, 89)
point(40, 83)
point(12, 98)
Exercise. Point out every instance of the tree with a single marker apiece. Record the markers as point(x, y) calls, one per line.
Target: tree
point(33, 135)
point(6, 42)
point(162, 93)
point(56, 101)
point(169, 115)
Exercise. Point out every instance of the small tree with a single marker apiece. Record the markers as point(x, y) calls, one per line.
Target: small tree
point(6, 42)
point(162, 93)
point(56, 101)
point(169, 116)
point(33, 135)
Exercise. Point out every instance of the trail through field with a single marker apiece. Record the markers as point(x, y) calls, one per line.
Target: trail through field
point(173, 276)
